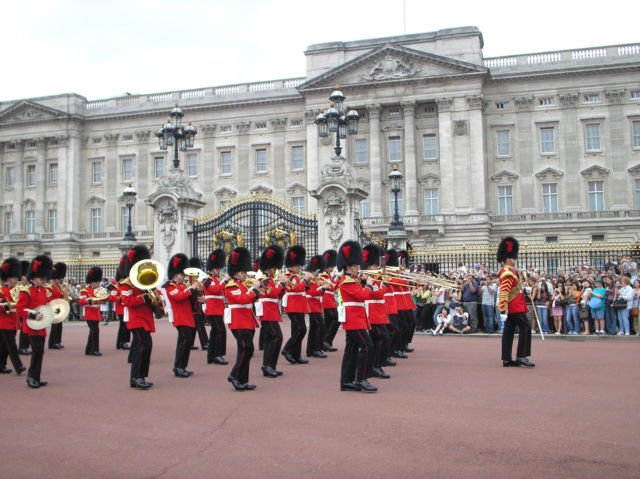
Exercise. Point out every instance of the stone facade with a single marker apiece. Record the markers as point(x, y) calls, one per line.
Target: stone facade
point(543, 146)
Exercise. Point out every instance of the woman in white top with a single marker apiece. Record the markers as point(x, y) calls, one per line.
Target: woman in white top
point(625, 292)
point(636, 306)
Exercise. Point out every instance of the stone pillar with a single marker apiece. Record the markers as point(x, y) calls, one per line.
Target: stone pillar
point(312, 167)
point(175, 205)
point(445, 128)
point(375, 162)
point(71, 155)
point(571, 187)
point(527, 191)
point(41, 184)
point(338, 196)
point(478, 166)
point(411, 170)
point(111, 215)
point(617, 198)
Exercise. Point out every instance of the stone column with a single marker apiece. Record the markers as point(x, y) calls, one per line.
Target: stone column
point(411, 170)
point(18, 202)
point(312, 167)
point(71, 154)
point(617, 198)
point(375, 162)
point(527, 192)
point(111, 215)
point(445, 128)
point(41, 184)
point(478, 169)
point(143, 181)
point(571, 185)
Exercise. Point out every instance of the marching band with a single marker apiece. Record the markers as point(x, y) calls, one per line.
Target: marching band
point(375, 309)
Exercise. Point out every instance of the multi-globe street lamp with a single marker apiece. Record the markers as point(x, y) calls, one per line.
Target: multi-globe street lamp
point(335, 120)
point(172, 133)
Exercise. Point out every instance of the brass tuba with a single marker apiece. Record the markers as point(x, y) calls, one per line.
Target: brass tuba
point(147, 275)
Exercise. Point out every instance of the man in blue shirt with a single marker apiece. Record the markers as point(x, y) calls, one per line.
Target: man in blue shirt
point(470, 300)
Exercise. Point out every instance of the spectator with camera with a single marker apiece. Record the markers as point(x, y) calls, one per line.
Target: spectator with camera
point(488, 290)
point(541, 299)
point(470, 299)
point(624, 293)
point(459, 321)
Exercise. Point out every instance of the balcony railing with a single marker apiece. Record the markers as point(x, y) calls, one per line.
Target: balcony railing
point(413, 220)
point(565, 216)
point(67, 236)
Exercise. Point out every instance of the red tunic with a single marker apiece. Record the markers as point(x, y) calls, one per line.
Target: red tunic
point(314, 297)
point(30, 298)
point(56, 292)
point(179, 304)
point(390, 300)
point(376, 306)
point(353, 300)
point(403, 295)
point(89, 311)
point(328, 298)
point(270, 301)
point(137, 313)
point(8, 320)
point(510, 296)
point(240, 301)
point(295, 300)
point(214, 297)
point(114, 297)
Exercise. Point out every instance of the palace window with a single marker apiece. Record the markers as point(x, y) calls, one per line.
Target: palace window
point(53, 174)
point(591, 98)
point(547, 141)
point(31, 176)
point(637, 183)
point(546, 101)
point(593, 137)
point(96, 220)
point(192, 164)
point(596, 195)
point(127, 169)
point(394, 149)
point(297, 158)
point(10, 177)
point(364, 208)
point(52, 220)
point(550, 197)
point(225, 163)
point(503, 105)
point(298, 203)
point(503, 142)
point(158, 167)
point(429, 147)
point(8, 222)
point(362, 151)
point(431, 201)
point(635, 94)
point(30, 222)
point(636, 134)
point(261, 160)
point(96, 172)
point(505, 200)
point(124, 218)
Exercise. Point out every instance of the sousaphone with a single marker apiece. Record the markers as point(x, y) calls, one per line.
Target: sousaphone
point(60, 309)
point(47, 318)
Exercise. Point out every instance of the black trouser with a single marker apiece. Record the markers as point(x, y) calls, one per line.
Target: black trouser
point(396, 332)
point(272, 343)
point(261, 340)
point(331, 325)
point(202, 331)
point(244, 338)
point(314, 340)
point(55, 336)
point(23, 340)
point(8, 349)
point(141, 353)
point(124, 336)
point(186, 336)
point(426, 321)
point(524, 336)
point(381, 339)
point(298, 331)
point(218, 338)
point(409, 327)
point(93, 340)
point(357, 358)
point(37, 353)
point(133, 347)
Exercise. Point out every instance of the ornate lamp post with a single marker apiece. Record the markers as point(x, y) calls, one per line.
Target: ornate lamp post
point(172, 133)
point(334, 120)
point(129, 194)
point(395, 176)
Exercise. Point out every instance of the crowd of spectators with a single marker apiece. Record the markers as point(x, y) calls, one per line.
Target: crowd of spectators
point(582, 300)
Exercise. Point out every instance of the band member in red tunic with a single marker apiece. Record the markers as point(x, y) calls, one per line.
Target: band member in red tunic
point(59, 290)
point(30, 298)
point(268, 308)
point(409, 319)
point(197, 305)
point(329, 306)
point(124, 335)
point(138, 316)
point(358, 350)
point(23, 341)
point(377, 312)
point(9, 274)
point(314, 301)
point(178, 296)
point(511, 302)
point(239, 315)
point(214, 308)
point(394, 303)
point(295, 303)
point(91, 309)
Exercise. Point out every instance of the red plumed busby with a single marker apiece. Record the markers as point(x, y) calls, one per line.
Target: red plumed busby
point(295, 256)
point(403, 258)
point(94, 275)
point(10, 269)
point(216, 259)
point(272, 257)
point(121, 266)
point(371, 255)
point(330, 257)
point(59, 271)
point(316, 263)
point(391, 258)
point(349, 254)
point(195, 262)
point(508, 248)
point(138, 253)
point(40, 267)
point(177, 264)
point(255, 265)
point(239, 260)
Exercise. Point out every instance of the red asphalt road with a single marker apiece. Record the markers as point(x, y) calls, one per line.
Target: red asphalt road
point(449, 411)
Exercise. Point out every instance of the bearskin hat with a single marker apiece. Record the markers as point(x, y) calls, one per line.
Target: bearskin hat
point(508, 248)
point(24, 267)
point(403, 258)
point(40, 267)
point(272, 257)
point(371, 255)
point(59, 270)
point(94, 275)
point(295, 256)
point(195, 262)
point(316, 263)
point(177, 264)
point(239, 260)
point(330, 257)
point(10, 269)
point(391, 258)
point(138, 253)
point(120, 270)
point(349, 254)
point(216, 259)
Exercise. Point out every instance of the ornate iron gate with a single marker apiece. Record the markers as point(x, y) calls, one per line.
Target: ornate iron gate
point(255, 222)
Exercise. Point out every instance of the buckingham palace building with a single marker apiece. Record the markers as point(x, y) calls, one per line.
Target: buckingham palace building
point(544, 146)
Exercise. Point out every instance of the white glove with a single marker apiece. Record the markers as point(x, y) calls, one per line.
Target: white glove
point(503, 317)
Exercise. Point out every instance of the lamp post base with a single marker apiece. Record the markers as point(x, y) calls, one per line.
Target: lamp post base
point(397, 236)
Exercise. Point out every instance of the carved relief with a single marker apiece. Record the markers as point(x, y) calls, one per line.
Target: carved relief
point(373, 111)
point(112, 138)
point(334, 211)
point(615, 97)
point(278, 123)
point(444, 104)
point(243, 126)
point(460, 127)
point(310, 116)
point(391, 68)
point(168, 218)
point(143, 135)
point(29, 114)
point(208, 130)
point(524, 103)
point(595, 172)
point(475, 102)
point(569, 99)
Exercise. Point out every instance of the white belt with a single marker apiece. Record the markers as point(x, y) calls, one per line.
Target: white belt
point(213, 297)
point(240, 306)
point(297, 294)
point(375, 301)
point(317, 298)
point(269, 300)
point(388, 294)
point(400, 293)
point(353, 303)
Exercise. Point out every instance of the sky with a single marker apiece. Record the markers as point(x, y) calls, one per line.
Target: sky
point(112, 47)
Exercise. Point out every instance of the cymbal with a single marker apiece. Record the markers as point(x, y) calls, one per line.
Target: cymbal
point(47, 318)
point(60, 309)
